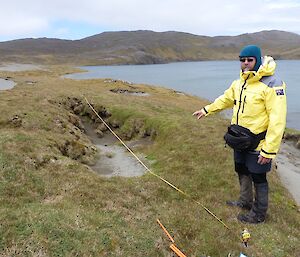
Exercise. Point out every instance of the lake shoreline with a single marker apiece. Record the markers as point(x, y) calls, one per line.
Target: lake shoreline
point(288, 168)
point(206, 79)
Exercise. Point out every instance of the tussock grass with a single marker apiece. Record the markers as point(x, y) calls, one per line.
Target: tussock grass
point(53, 204)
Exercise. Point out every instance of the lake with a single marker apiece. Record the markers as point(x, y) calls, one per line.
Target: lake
point(206, 79)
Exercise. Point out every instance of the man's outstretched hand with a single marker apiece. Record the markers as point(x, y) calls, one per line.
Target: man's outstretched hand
point(199, 114)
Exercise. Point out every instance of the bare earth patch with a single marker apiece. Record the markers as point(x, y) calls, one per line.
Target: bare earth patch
point(114, 159)
point(129, 92)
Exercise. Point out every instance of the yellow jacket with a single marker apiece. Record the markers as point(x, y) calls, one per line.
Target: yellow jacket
point(259, 104)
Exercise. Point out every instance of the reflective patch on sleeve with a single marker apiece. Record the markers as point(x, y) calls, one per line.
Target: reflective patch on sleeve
point(279, 91)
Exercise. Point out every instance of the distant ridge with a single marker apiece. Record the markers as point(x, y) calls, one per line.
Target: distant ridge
point(147, 47)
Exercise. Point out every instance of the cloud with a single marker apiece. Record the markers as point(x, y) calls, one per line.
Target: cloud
point(14, 24)
point(215, 17)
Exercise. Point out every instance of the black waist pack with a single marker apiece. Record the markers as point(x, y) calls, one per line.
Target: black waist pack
point(242, 139)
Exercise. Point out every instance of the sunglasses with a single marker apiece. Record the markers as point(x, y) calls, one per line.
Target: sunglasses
point(243, 59)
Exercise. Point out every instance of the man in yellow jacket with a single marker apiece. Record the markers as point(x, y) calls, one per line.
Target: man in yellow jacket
point(258, 100)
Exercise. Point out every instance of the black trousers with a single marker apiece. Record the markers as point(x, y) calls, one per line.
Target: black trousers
point(246, 164)
point(257, 178)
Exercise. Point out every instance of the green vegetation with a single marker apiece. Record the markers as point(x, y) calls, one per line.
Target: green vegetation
point(292, 131)
point(53, 204)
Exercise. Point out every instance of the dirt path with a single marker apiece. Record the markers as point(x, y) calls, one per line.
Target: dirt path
point(288, 168)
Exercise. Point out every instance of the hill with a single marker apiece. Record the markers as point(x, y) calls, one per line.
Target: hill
point(145, 47)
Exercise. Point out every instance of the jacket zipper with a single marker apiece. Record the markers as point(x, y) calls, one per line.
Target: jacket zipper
point(240, 102)
point(244, 104)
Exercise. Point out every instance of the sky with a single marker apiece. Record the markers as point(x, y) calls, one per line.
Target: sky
point(73, 19)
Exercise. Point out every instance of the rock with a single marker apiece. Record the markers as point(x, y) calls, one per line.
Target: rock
point(16, 121)
point(99, 133)
point(138, 125)
point(72, 103)
point(75, 149)
point(103, 112)
point(298, 144)
point(79, 150)
point(30, 162)
point(78, 109)
point(59, 123)
point(94, 148)
point(150, 132)
point(115, 123)
point(102, 127)
point(76, 121)
point(29, 82)
point(128, 135)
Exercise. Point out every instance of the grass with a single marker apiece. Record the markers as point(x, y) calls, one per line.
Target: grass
point(292, 131)
point(53, 204)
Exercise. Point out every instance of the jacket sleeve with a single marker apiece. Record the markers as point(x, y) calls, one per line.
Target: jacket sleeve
point(222, 102)
point(276, 110)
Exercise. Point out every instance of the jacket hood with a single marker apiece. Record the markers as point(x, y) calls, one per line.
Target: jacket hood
point(266, 69)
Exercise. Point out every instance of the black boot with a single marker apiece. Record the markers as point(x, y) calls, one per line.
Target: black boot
point(259, 210)
point(246, 194)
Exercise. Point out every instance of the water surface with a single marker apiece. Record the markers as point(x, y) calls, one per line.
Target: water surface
point(207, 79)
point(6, 84)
